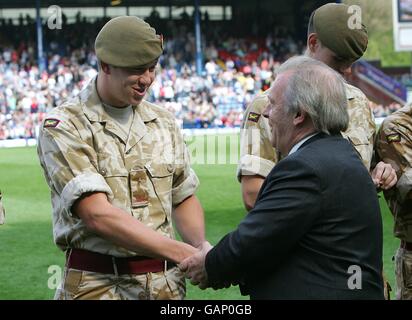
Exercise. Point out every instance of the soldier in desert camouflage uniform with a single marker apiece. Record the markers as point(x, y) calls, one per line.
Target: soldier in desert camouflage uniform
point(394, 145)
point(2, 211)
point(326, 24)
point(119, 173)
point(331, 41)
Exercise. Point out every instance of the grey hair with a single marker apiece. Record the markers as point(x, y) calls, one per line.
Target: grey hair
point(318, 90)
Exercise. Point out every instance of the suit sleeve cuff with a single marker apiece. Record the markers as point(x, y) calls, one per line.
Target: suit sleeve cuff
point(187, 188)
point(251, 165)
point(86, 182)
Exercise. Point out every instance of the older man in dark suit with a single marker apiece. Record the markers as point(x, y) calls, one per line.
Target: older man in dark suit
point(315, 231)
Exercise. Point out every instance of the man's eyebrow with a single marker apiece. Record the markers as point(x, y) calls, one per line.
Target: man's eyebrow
point(146, 67)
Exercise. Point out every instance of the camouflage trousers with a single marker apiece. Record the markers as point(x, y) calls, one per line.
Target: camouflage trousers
point(85, 285)
point(403, 271)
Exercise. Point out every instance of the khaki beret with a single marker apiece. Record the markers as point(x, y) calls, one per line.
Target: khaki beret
point(330, 23)
point(128, 41)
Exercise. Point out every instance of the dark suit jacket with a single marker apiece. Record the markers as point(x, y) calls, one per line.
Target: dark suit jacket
point(316, 215)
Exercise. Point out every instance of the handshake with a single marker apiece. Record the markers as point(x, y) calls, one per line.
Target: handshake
point(194, 269)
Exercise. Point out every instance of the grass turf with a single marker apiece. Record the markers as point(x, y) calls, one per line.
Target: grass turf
point(26, 244)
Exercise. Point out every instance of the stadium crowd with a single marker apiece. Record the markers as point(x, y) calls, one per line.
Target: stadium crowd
point(236, 69)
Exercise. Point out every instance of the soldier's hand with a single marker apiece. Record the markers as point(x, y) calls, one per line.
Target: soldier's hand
point(205, 245)
point(194, 267)
point(384, 176)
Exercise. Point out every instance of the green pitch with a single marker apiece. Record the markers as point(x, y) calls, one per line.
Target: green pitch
point(26, 244)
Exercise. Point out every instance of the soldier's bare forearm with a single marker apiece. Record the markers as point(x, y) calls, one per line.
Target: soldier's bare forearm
point(189, 221)
point(121, 228)
point(250, 189)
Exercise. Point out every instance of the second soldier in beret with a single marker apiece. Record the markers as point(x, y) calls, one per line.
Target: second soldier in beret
point(331, 41)
point(119, 174)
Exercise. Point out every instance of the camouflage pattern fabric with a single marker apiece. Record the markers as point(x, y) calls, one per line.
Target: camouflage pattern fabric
point(394, 145)
point(2, 212)
point(258, 156)
point(85, 285)
point(362, 128)
point(146, 173)
point(403, 271)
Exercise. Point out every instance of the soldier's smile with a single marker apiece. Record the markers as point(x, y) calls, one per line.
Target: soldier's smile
point(139, 91)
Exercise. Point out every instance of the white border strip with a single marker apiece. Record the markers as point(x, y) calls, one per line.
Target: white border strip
point(14, 143)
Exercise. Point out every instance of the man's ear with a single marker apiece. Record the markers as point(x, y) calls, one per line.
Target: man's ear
point(105, 67)
point(312, 42)
point(300, 117)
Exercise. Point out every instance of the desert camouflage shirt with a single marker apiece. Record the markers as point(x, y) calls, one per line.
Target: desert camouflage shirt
point(146, 173)
point(394, 145)
point(257, 156)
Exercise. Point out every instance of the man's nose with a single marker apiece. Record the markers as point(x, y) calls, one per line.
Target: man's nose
point(145, 77)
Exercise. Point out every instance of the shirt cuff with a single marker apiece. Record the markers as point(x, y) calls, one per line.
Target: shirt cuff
point(187, 188)
point(86, 182)
point(251, 165)
point(404, 184)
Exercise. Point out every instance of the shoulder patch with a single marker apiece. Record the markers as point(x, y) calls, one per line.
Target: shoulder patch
point(51, 123)
point(393, 137)
point(253, 116)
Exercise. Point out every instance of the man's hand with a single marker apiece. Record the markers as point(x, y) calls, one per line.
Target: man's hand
point(194, 266)
point(384, 176)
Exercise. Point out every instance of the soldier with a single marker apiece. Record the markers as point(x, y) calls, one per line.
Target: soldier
point(331, 41)
point(2, 211)
point(393, 145)
point(119, 172)
point(326, 24)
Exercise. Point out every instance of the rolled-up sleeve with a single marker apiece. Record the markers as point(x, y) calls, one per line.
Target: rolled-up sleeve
point(87, 182)
point(70, 165)
point(251, 164)
point(185, 181)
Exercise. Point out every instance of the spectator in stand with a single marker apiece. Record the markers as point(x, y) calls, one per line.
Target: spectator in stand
point(236, 69)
